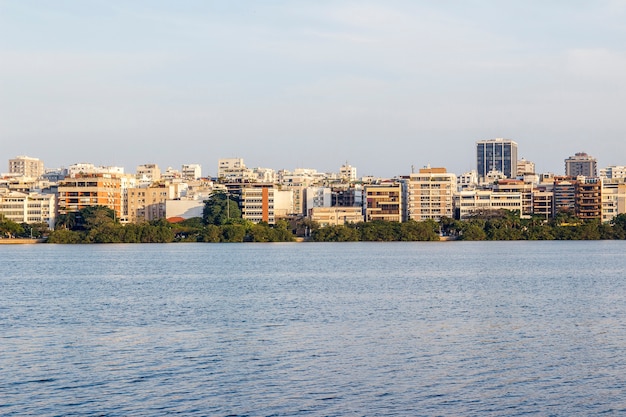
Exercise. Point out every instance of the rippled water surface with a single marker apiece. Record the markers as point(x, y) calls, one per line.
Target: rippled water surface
point(353, 329)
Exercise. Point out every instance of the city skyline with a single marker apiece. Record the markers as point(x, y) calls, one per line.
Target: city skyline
point(212, 171)
point(384, 86)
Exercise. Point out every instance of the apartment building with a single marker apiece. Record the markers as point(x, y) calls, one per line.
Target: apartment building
point(564, 189)
point(525, 167)
point(520, 187)
point(613, 198)
point(336, 216)
point(543, 203)
point(28, 207)
point(87, 168)
point(26, 166)
point(613, 172)
point(317, 197)
point(191, 171)
point(148, 173)
point(86, 190)
point(234, 170)
point(581, 164)
point(588, 198)
point(257, 203)
point(347, 173)
point(384, 202)
point(148, 204)
point(429, 194)
point(471, 203)
point(347, 195)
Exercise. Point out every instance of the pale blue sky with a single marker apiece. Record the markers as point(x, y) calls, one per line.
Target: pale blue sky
point(287, 84)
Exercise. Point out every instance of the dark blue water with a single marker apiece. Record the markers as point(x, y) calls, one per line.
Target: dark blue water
point(351, 329)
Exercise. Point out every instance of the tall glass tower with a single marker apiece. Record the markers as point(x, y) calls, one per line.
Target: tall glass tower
point(496, 155)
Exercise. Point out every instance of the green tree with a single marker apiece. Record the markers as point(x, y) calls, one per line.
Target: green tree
point(473, 230)
point(211, 233)
point(219, 209)
point(339, 233)
point(619, 226)
point(9, 228)
point(66, 221)
point(419, 231)
point(233, 233)
point(379, 231)
point(65, 236)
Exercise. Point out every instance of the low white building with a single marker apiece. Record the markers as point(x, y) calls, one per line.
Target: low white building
point(473, 202)
point(28, 207)
point(185, 209)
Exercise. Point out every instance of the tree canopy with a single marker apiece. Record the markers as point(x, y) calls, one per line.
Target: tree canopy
point(220, 209)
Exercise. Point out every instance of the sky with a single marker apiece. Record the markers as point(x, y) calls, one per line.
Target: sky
point(383, 85)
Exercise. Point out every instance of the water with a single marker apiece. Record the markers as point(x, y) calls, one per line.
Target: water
point(350, 329)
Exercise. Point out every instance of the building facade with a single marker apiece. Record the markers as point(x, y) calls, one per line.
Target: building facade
point(520, 187)
point(257, 203)
point(28, 207)
point(148, 204)
point(430, 194)
point(88, 190)
point(472, 203)
point(191, 171)
point(496, 155)
point(613, 198)
point(148, 173)
point(383, 202)
point(581, 164)
point(26, 166)
point(336, 216)
point(588, 200)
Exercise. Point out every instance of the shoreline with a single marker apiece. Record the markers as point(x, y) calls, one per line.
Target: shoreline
point(21, 241)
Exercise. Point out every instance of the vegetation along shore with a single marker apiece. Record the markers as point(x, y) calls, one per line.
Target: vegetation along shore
point(222, 222)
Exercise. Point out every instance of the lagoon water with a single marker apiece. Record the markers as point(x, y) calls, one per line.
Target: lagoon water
point(306, 329)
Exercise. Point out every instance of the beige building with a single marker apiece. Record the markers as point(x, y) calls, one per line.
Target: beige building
point(613, 198)
point(148, 204)
point(430, 194)
point(543, 203)
point(28, 207)
point(383, 202)
point(518, 187)
point(148, 173)
point(347, 173)
point(525, 167)
point(234, 170)
point(26, 166)
point(336, 216)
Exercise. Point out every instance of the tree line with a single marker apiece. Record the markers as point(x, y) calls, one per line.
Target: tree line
point(221, 221)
